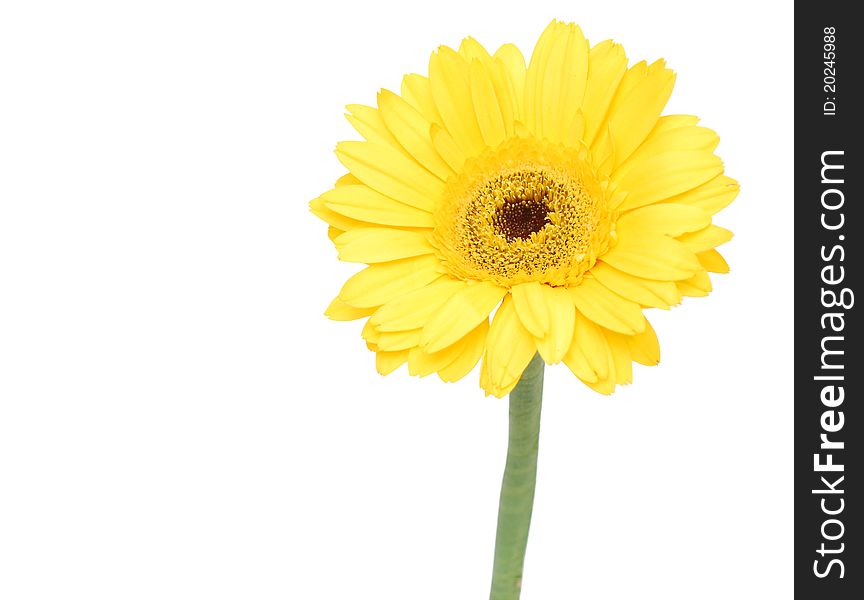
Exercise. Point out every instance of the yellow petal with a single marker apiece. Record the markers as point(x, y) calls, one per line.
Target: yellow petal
point(469, 351)
point(620, 352)
point(511, 63)
point(589, 338)
point(573, 80)
point(604, 139)
point(451, 88)
point(509, 349)
point(690, 291)
point(669, 219)
point(370, 334)
point(368, 123)
point(319, 208)
point(411, 130)
point(391, 172)
point(534, 77)
point(652, 257)
point(606, 384)
point(712, 196)
point(381, 244)
point(554, 345)
point(348, 179)
point(701, 281)
point(387, 362)
point(460, 314)
point(521, 130)
point(635, 75)
point(423, 363)
point(486, 105)
point(607, 308)
point(575, 131)
point(530, 303)
point(392, 341)
point(658, 177)
point(511, 57)
point(556, 80)
point(644, 347)
point(670, 122)
point(577, 362)
point(339, 311)
point(413, 310)
point(603, 386)
point(447, 148)
point(697, 286)
point(506, 94)
point(380, 283)
point(470, 49)
point(647, 292)
point(668, 136)
point(636, 111)
point(604, 156)
point(607, 65)
point(713, 262)
point(418, 93)
point(485, 379)
point(365, 204)
point(706, 239)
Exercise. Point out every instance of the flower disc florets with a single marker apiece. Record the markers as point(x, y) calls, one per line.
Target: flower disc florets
point(522, 212)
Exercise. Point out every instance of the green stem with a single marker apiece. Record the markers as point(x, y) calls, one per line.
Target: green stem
point(517, 488)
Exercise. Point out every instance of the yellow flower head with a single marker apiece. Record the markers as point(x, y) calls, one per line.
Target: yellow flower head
point(554, 199)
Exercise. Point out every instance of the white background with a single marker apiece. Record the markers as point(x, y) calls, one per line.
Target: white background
point(177, 418)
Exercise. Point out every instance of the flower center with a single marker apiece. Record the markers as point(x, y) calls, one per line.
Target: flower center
point(525, 211)
point(520, 218)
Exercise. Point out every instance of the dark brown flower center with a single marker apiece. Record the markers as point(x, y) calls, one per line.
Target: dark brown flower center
point(520, 218)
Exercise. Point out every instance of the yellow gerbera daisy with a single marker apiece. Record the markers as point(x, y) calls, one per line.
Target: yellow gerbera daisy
point(554, 199)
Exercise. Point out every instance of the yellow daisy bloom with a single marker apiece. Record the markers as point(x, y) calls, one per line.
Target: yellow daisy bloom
point(505, 210)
